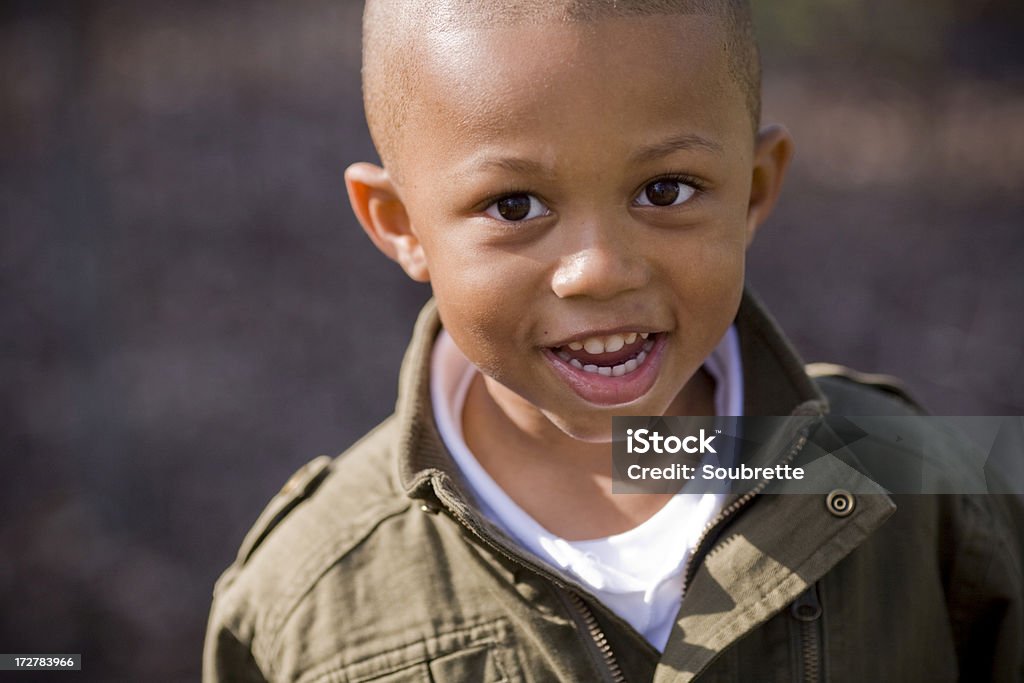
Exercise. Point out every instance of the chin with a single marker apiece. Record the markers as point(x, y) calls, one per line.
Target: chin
point(593, 430)
point(596, 427)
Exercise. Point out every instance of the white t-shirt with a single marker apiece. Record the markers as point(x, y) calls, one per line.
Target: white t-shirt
point(638, 574)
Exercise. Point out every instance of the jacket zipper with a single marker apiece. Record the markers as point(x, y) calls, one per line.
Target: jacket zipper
point(807, 610)
point(594, 629)
point(599, 638)
point(597, 635)
point(692, 564)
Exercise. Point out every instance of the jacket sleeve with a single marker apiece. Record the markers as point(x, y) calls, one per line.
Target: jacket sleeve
point(226, 656)
point(987, 590)
point(227, 653)
point(226, 659)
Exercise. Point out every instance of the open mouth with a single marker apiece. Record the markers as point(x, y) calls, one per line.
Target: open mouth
point(610, 369)
point(612, 356)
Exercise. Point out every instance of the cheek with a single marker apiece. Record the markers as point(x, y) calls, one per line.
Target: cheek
point(707, 280)
point(724, 286)
point(709, 265)
point(486, 304)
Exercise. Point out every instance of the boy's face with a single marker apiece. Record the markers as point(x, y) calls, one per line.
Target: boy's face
point(580, 183)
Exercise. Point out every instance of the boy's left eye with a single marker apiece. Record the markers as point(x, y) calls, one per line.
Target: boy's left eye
point(665, 192)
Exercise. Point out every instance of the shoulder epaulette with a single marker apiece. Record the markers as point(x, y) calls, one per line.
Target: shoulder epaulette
point(299, 487)
point(886, 383)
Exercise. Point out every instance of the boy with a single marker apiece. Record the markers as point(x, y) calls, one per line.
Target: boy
point(578, 181)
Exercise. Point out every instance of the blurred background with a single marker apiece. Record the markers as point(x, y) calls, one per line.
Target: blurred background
point(189, 312)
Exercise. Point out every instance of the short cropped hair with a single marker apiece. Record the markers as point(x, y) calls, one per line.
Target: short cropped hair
point(391, 27)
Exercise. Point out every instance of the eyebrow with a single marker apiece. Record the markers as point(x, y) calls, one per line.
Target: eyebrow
point(676, 143)
point(512, 164)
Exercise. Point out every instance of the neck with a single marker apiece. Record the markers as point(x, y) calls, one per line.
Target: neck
point(564, 483)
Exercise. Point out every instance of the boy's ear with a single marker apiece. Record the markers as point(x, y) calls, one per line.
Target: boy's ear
point(772, 152)
point(383, 216)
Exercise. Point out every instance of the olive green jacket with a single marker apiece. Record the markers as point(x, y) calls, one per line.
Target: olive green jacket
point(375, 566)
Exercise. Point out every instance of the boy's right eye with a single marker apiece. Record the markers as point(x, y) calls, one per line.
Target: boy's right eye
point(516, 207)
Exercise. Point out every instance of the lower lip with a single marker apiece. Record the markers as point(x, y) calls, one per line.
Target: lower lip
point(607, 391)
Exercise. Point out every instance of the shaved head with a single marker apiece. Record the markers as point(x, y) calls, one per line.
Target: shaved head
point(394, 33)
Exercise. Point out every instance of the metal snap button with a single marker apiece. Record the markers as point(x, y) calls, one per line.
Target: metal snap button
point(430, 507)
point(840, 503)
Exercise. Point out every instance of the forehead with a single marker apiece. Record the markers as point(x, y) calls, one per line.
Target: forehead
point(601, 82)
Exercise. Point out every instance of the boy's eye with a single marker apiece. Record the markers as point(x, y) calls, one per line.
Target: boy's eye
point(665, 192)
point(516, 207)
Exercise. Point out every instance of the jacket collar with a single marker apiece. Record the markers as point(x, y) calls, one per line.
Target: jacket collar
point(774, 379)
point(421, 454)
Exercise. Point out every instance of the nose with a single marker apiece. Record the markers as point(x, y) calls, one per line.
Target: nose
point(602, 265)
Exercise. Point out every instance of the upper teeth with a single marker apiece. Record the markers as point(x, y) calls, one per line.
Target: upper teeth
point(609, 344)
